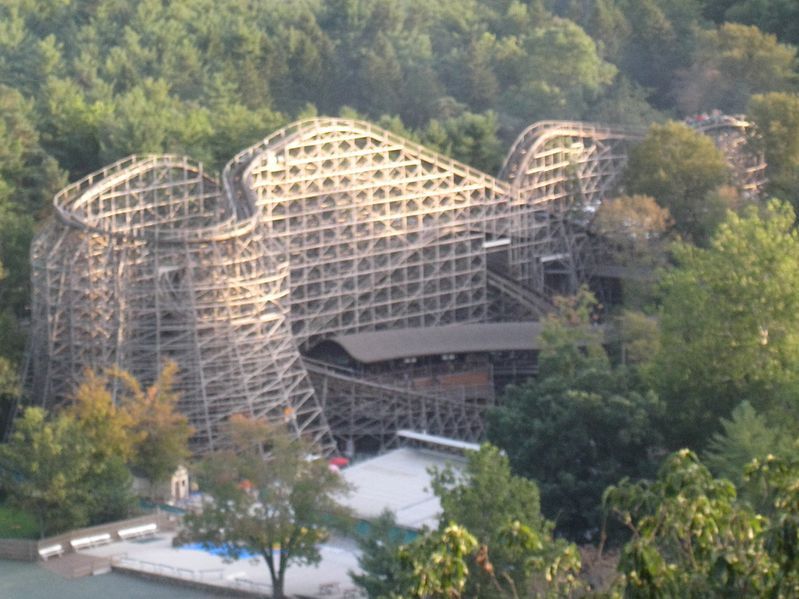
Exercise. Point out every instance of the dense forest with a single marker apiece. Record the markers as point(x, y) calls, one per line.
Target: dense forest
point(85, 83)
point(708, 351)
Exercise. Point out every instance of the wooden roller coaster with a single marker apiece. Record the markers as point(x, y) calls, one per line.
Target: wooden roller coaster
point(327, 227)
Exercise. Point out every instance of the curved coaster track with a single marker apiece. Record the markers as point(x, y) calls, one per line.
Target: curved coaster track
point(327, 227)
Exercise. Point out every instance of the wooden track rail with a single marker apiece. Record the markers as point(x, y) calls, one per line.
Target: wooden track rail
point(328, 226)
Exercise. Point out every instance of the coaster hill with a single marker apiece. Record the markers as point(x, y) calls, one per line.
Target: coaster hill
point(338, 277)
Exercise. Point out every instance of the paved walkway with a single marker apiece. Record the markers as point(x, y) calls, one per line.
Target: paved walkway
point(76, 565)
point(157, 556)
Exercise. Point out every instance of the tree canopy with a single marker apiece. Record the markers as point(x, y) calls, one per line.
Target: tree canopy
point(777, 118)
point(731, 64)
point(691, 537)
point(680, 167)
point(267, 494)
point(161, 432)
point(44, 467)
point(729, 324)
point(579, 426)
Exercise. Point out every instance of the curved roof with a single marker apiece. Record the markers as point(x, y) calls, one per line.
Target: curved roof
point(381, 346)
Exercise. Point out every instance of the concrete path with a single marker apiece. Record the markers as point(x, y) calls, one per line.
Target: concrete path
point(157, 556)
point(76, 565)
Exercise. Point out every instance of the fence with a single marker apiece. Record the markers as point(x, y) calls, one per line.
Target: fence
point(28, 550)
point(209, 578)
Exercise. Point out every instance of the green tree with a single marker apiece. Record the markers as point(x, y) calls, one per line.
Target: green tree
point(160, 432)
point(776, 478)
point(470, 138)
point(382, 571)
point(780, 17)
point(580, 425)
point(108, 433)
point(574, 437)
point(267, 497)
point(653, 40)
point(729, 323)
point(744, 437)
point(776, 116)
point(43, 468)
point(690, 538)
point(679, 167)
point(502, 511)
point(438, 563)
point(557, 72)
point(732, 63)
point(28, 180)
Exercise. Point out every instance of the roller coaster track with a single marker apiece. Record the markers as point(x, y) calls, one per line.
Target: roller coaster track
point(328, 226)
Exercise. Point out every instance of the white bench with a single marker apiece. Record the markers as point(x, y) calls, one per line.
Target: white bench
point(50, 551)
point(137, 531)
point(86, 542)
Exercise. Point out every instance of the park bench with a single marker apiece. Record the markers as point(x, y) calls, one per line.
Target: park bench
point(136, 532)
point(93, 541)
point(50, 551)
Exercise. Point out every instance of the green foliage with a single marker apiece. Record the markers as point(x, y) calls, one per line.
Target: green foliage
point(729, 324)
point(453, 563)
point(580, 426)
point(776, 477)
point(267, 497)
point(502, 512)
point(43, 469)
point(110, 80)
point(160, 433)
point(16, 523)
point(744, 437)
point(470, 138)
point(382, 572)
point(485, 496)
point(28, 178)
point(690, 538)
point(732, 63)
point(438, 563)
point(776, 116)
point(570, 341)
point(108, 433)
point(780, 17)
point(679, 167)
point(649, 40)
point(72, 468)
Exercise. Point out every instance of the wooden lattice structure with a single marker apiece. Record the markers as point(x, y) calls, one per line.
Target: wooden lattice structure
point(732, 135)
point(147, 260)
point(329, 226)
point(560, 172)
point(380, 232)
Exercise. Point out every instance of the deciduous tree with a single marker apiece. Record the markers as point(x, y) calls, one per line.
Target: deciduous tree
point(732, 63)
point(161, 433)
point(382, 572)
point(580, 425)
point(43, 469)
point(679, 167)
point(502, 511)
point(108, 432)
point(729, 324)
point(690, 538)
point(776, 116)
point(267, 495)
